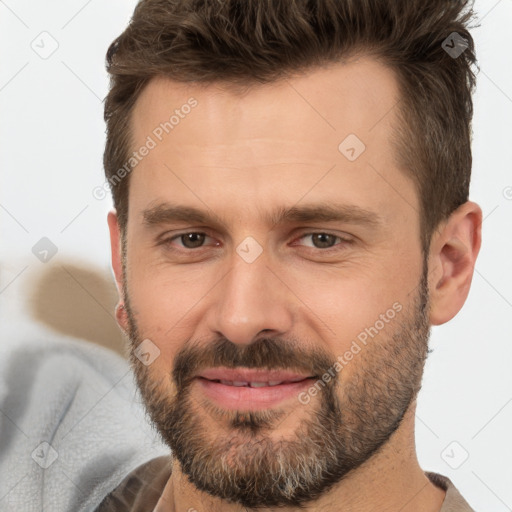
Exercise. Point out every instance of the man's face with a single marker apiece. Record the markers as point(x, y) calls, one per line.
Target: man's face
point(247, 289)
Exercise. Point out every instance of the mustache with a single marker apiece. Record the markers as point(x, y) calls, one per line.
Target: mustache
point(265, 353)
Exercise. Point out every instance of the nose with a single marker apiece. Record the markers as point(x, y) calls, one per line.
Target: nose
point(250, 301)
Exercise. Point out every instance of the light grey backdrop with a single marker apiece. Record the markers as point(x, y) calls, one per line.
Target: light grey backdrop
point(52, 83)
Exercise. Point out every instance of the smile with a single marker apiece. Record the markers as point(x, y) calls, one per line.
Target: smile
point(250, 395)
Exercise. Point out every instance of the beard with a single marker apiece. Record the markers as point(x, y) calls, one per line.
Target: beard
point(353, 417)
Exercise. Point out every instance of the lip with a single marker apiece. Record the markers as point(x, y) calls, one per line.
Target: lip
point(247, 398)
point(251, 375)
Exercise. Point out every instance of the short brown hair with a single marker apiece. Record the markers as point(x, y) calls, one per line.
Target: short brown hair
point(246, 42)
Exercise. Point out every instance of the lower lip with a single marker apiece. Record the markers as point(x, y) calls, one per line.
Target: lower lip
point(244, 397)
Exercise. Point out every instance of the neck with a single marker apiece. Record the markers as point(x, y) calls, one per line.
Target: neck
point(390, 480)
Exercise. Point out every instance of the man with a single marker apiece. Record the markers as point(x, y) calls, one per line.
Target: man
point(291, 184)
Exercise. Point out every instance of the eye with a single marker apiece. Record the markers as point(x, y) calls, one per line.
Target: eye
point(324, 241)
point(319, 240)
point(191, 240)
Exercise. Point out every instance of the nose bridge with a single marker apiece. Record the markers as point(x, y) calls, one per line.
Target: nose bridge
point(250, 299)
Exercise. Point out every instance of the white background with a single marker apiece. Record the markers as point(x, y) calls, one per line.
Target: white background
point(52, 139)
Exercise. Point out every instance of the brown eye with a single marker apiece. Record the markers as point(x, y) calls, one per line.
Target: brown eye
point(189, 242)
point(323, 240)
point(192, 240)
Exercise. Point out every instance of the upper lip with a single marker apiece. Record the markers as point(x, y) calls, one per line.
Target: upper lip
point(248, 375)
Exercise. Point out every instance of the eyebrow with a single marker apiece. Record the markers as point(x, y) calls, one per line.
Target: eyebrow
point(166, 213)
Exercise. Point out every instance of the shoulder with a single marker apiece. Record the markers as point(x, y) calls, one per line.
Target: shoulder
point(72, 425)
point(141, 489)
point(453, 502)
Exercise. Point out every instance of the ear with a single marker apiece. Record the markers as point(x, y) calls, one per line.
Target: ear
point(117, 266)
point(452, 257)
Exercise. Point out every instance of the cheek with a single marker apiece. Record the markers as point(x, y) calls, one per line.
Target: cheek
point(166, 302)
point(158, 288)
point(347, 305)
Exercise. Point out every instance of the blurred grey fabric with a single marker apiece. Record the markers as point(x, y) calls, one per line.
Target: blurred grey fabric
point(71, 423)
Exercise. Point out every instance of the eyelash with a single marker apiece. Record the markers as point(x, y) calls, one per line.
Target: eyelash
point(343, 241)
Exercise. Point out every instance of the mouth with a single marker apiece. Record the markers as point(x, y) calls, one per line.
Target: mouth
point(253, 394)
point(257, 384)
point(245, 376)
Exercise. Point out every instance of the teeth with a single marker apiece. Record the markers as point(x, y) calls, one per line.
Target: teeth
point(251, 384)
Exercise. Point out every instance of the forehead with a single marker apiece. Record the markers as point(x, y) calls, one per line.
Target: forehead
point(271, 142)
point(354, 95)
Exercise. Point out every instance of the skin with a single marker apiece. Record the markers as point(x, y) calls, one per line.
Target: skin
point(239, 156)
